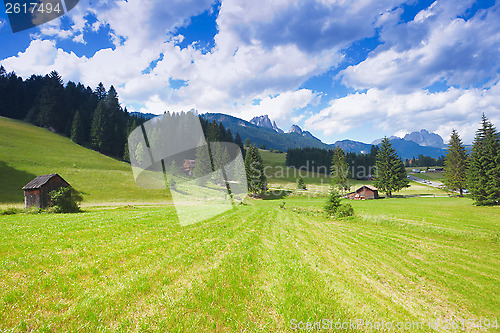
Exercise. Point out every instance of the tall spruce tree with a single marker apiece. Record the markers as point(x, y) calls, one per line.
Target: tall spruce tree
point(339, 170)
point(484, 165)
point(100, 91)
point(455, 172)
point(256, 179)
point(203, 166)
point(239, 142)
point(391, 173)
point(77, 129)
point(48, 108)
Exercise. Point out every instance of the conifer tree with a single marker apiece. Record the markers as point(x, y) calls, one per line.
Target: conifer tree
point(333, 203)
point(203, 165)
point(339, 170)
point(484, 165)
point(100, 91)
point(455, 171)
point(214, 132)
point(391, 173)
point(239, 142)
point(256, 179)
point(174, 169)
point(301, 185)
point(220, 156)
point(96, 127)
point(48, 109)
point(77, 129)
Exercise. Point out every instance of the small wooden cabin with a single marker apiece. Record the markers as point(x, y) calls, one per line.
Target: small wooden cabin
point(364, 192)
point(36, 192)
point(188, 166)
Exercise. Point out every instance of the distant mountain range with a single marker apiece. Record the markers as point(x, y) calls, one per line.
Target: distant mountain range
point(267, 134)
point(422, 138)
point(264, 121)
point(262, 130)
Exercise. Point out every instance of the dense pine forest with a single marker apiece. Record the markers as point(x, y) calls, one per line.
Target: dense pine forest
point(90, 117)
point(319, 160)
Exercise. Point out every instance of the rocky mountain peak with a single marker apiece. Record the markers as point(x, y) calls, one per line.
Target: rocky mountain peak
point(264, 121)
point(424, 138)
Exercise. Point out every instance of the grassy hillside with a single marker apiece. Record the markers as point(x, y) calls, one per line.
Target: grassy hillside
point(27, 151)
point(255, 268)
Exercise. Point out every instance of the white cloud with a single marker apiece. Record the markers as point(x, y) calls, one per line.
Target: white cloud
point(279, 108)
point(237, 70)
point(407, 112)
point(56, 32)
point(270, 48)
point(79, 39)
point(436, 46)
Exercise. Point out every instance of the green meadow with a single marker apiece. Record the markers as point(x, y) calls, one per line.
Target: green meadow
point(27, 151)
point(125, 264)
point(255, 268)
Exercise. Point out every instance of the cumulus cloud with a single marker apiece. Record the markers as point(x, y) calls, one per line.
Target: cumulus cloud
point(312, 26)
point(439, 112)
point(280, 107)
point(267, 49)
point(436, 46)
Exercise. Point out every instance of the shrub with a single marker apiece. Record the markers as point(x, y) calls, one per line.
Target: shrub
point(334, 206)
point(300, 184)
point(34, 210)
point(10, 211)
point(345, 210)
point(65, 200)
point(333, 203)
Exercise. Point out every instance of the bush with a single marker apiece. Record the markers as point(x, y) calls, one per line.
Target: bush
point(333, 203)
point(65, 200)
point(300, 184)
point(10, 211)
point(335, 208)
point(345, 211)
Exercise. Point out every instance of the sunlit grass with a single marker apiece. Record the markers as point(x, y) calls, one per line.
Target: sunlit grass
point(27, 151)
point(254, 268)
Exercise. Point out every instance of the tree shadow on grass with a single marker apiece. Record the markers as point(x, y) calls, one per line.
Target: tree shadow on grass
point(276, 194)
point(11, 183)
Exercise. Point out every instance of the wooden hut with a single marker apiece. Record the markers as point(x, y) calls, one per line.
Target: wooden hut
point(36, 192)
point(188, 167)
point(364, 192)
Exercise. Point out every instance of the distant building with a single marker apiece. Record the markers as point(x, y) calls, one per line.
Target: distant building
point(36, 192)
point(364, 192)
point(188, 167)
point(415, 170)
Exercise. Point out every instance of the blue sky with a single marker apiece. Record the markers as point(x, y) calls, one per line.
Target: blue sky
point(341, 69)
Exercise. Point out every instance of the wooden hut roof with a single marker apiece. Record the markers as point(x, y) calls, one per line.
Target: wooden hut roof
point(39, 181)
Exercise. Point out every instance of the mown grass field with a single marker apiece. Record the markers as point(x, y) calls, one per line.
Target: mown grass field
point(434, 176)
point(255, 268)
point(27, 151)
point(123, 265)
